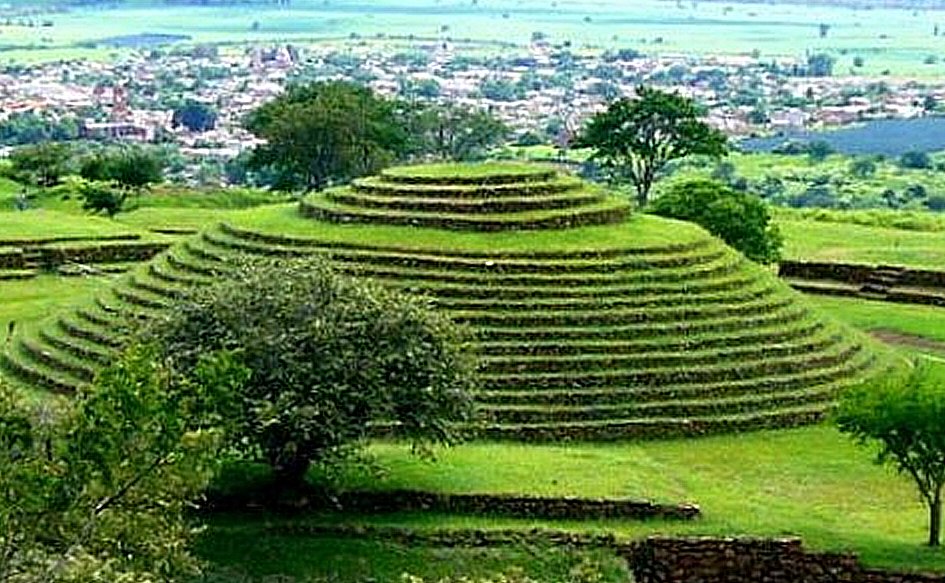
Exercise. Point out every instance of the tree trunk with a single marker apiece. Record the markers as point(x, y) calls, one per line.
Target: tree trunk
point(935, 519)
point(290, 474)
point(643, 194)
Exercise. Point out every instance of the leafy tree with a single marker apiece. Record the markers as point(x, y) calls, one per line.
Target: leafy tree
point(456, 133)
point(102, 197)
point(936, 203)
point(196, 116)
point(862, 167)
point(43, 164)
point(915, 160)
point(904, 416)
point(129, 168)
point(328, 131)
point(328, 357)
point(817, 151)
point(501, 90)
point(820, 65)
point(34, 128)
point(98, 492)
point(136, 168)
point(635, 138)
point(740, 219)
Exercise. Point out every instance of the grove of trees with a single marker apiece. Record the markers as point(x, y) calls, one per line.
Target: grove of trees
point(329, 132)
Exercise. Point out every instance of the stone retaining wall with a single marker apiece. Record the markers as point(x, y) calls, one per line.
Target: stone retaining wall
point(513, 506)
point(741, 560)
point(857, 273)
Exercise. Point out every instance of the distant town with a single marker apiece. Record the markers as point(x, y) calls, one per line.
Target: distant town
point(542, 92)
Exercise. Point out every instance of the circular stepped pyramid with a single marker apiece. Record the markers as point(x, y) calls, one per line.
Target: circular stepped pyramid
point(639, 328)
point(490, 197)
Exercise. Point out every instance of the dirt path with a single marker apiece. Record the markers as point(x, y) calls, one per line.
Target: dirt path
point(897, 338)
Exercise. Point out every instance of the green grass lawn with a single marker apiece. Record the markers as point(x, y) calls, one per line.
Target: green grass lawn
point(812, 482)
point(925, 321)
point(42, 223)
point(26, 301)
point(237, 545)
point(639, 231)
point(821, 241)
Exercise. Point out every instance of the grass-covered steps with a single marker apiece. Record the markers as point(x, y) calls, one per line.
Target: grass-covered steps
point(639, 328)
point(606, 211)
point(475, 197)
point(676, 338)
point(487, 173)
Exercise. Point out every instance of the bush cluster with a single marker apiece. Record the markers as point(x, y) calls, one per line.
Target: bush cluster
point(742, 220)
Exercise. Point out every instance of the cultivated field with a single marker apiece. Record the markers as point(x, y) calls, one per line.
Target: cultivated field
point(895, 40)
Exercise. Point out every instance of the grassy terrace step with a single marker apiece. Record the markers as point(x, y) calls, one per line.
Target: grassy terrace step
point(719, 268)
point(38, 241)
point(214, 250)
point(660, 427)
point(846, 372)
point(671, 375)
point(378, 186)
point(482, 173)
point(498, 291)
point(759, 335)
point(198, 251)
point(102, 315)
point(126, 313)
point(171, 275)
point(608, 211)
point(82, 329)
point(487, 205)
point(140, 297)
point(511, 331)
point(154, 287)
point(591, 361)
point(184, 262)
point(484, 265)
point(605, 317)
point(677, 408)
point(15, 366)
point(56, 359)
point(629, 300)
point(77, 348)
point(607, 250)
point(15, 274)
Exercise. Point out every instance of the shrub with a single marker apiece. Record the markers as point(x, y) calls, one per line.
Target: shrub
point(102, 197)
point(740, 219)
point(915, 160)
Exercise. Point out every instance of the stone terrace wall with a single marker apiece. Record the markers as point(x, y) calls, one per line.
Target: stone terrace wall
point(856, 273)
point(732, 560)
point(514, 506)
